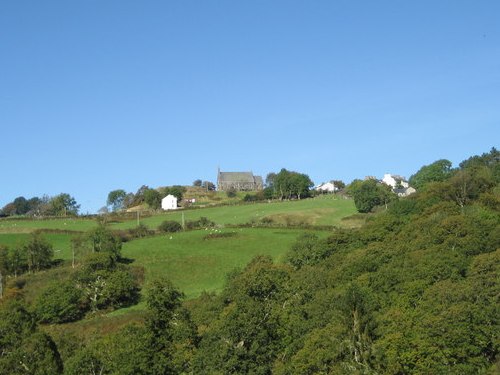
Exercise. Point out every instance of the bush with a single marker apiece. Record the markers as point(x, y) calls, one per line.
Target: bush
point(121, 290)
point(59, 303)
point(231, 193)
point(140, 231)
point(169, 226)
point(202, 222)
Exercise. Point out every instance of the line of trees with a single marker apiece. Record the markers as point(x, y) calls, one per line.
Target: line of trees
point(60, 205)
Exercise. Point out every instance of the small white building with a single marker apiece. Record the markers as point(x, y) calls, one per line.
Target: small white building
point(395, 181)
point(169, 202)
point(328, 187)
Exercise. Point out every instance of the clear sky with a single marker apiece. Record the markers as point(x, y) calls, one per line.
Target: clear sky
point(99, 95)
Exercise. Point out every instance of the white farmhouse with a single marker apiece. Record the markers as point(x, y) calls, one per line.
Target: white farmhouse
point(169, 202)
point(328, 187)
point(395, 181)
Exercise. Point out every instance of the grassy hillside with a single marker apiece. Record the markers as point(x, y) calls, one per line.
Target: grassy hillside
point(191, 262)
point(195, 264)
point(322, 210)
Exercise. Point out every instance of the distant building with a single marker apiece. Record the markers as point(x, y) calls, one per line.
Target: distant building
point(239, 181)
point(328, 187)
point(169, 202)
point(395, 181)
point(399, 185)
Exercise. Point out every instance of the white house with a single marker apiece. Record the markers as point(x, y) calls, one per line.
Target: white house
point(169, 202)
point(394, 180)
point(328, 187)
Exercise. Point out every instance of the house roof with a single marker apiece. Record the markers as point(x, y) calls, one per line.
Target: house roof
point(236, 177)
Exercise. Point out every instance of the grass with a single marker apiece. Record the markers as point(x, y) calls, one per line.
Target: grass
point(322, 210)
point(61, 242)
point(195, 265)
point(30, 225)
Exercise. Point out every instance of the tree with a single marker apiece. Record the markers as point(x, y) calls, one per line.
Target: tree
point(176, 190)
point(440, 170)
point(39, 252)
point(59, 303)
point(210, 186)
point(339, 184)
point(368, 194)
point(116, 199)
point(101, 239)
point(63, 205)
point(170, 226)
point(287, 184)
point(197, 183)
point(163, 302)
point(153, 198)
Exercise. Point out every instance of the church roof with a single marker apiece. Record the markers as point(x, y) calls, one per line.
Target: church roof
point(236, 177)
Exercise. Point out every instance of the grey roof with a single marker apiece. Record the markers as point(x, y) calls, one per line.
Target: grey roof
point(236, 177)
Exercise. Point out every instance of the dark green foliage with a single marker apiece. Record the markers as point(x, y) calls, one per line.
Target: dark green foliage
point(370, 193)
point(63, 205)
point(60, 303)
point(152, 198)
point(38, 252)
point(176, 190)
point(24, 350)
point(102, 239)
point(307, 251)
point(231, 193)
point(438, 171)
point(170, 226)
point(140, 231)
point(106, 283)
point(259, 196)
point(202, 222)
point(288, 184)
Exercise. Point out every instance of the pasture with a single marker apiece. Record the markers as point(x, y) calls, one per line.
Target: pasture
point(196, 264)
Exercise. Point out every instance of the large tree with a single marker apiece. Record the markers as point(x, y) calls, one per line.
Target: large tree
point(287, 184)
point(440, 170)
point(368, 194)
point(63, 205)
point(116, 199)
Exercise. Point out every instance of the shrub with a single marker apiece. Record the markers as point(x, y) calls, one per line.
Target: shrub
point(231, 193)
point(140, 231)
point(202, 222)
point(59, 303)
point(169, 226)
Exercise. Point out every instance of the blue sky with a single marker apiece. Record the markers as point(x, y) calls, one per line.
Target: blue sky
point(99, 95)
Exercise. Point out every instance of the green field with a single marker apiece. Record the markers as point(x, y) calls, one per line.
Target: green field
point(322, 210)
point(29, 225)
point(193, 263)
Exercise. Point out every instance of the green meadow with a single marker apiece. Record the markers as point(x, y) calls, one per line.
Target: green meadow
point(194, 263)
point(322, 210)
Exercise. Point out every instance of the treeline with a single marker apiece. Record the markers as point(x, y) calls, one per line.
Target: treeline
point(119, 199)
point(415, 291)
point(60, 205)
